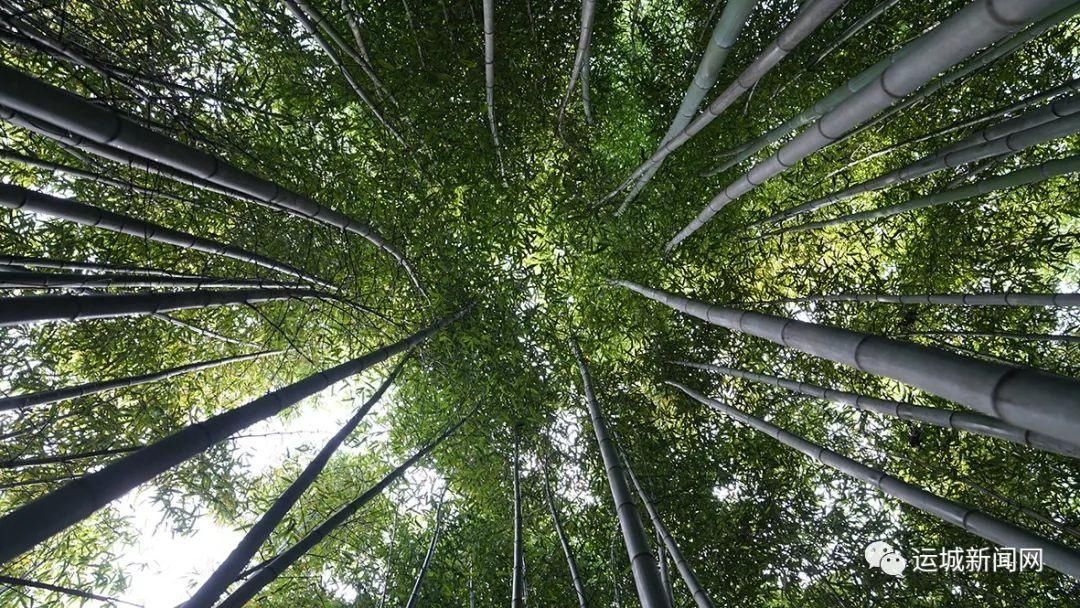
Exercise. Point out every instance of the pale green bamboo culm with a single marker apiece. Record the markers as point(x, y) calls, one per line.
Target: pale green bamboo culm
point(642, 563)
point(727, 29)
point(1055, 555)
point(977, 424)
point(1020, 177)
point(809, 18)
point(973, 27)
point(1024, 397)
point(581, 58)
point(1056, 120)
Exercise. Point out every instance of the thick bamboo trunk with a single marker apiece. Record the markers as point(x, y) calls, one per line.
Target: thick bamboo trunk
point(256, 536)
point(1059, 119)
point(809, 18)
point(489, 77)
point(564, 542)
point(37, 309)
point(701, 597)
point(103, 126)
point(517, 584)
point(19, 262)
point(977, 424)
point(1026, 398)
point(91, 388)
point(51, 280)
point(87, 175)
point(51, 514)
point(28, 201)
point(276, 566)
point(727, 29)
point(642, 563)
point(588, 13)
point(1020, 177)
point(1059, 557)
point(974, 299)
point(977, 25)
point(414, 596)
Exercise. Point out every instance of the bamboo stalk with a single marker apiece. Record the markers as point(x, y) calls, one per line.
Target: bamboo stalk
point(588, 13)
point(976, 299)
point(1020, 177)
point(489, 77)
point(517, 583)
point(978, 24)
point(977, 424)
point(1026, 398)
point(414, 596)
point(103, 126)
point(39, 520)
point(49, 280)
point(28, 201)
point(642, 563)
point(92, 388)
point(1057, 556)
point(564, 542)
point(275, 567)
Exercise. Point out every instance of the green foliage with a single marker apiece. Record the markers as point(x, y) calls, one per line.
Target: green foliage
point(761, 525)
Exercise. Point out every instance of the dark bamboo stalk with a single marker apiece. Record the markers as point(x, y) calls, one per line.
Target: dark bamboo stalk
point(642, 563)
point(91, 388)
point(49, 280)
point(51, 514)
point(1026, 398)
point(1057, 556)
point(414, 596)
point(564, 542)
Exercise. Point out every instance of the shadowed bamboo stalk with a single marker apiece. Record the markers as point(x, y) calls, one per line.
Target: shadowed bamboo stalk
point(642, 563)
point(28, 201)
point(1015, 179)
point(313, 30)
point(975, 299)
point(977, 424)
point(489, 77)
point(91, 388)
point(727, 29)
point(202, 331)
point(51, 514)
point(564, 542)
point(49, 280)
point(256, 536)
point(37, 309)
point(22, 582)
point(809, 18)
point(588, 12)
point(869, 17)
point(517, 583)
point(1054, 121)
point(331, 32)
point(39, 163)
point(1059, 557)
point(1027, 398)
point(1000, 334)
point(22, 261)
point(267, 573)
point(104, 127)
point(701, 597)
point(414, 597)
point(354, 26)
point(1073, 86)
point(65, 458)
point(980, 23)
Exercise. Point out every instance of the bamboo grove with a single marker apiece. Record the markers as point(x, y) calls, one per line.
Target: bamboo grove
point(488, 302)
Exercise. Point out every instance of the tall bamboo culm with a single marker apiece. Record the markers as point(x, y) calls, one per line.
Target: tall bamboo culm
point(1026, 398)
point(1057, 556)
point(642, 563)
point(36, 521)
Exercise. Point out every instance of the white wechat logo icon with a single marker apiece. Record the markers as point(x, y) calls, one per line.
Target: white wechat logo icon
point(880, 554)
